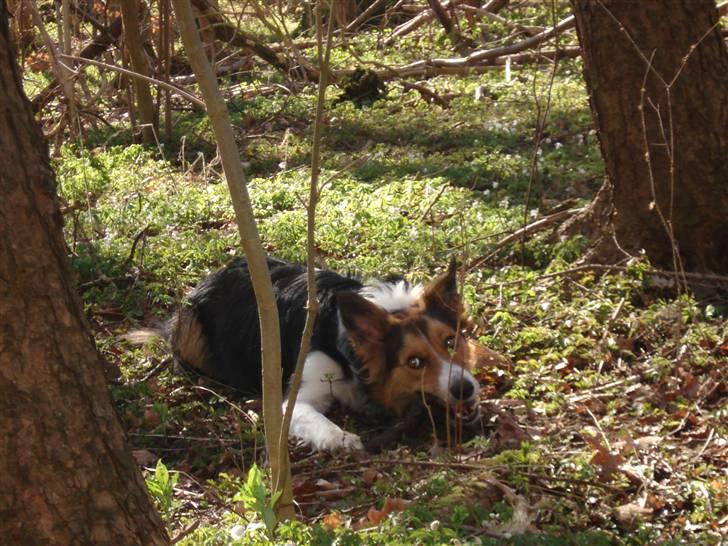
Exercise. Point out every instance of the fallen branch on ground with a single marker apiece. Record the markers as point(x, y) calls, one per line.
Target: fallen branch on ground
point(436, 67)
point(416, 22)
point(428, 94)
point(526, 231)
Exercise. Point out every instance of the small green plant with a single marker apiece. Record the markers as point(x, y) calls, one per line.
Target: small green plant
point(255, 496)
point(161, 486)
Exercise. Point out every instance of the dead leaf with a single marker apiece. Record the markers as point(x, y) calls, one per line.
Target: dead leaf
point(646, 442)
point(371, 476)
point(631, 514)
point(144, 457)
point(390, 505)
point(607, 461)
point(333, 520)
point(654, 502)
point(303, 487)
point(151, 417)
point(326, 485)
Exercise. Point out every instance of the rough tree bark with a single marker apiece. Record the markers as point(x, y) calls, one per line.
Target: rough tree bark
point(66, 475)
point(656, 76)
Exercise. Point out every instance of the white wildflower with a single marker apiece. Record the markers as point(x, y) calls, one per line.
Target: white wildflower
point(237, 532)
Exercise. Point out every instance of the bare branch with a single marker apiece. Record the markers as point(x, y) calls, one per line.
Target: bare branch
point(231, 34)
point(181, 92)
point(364, 16)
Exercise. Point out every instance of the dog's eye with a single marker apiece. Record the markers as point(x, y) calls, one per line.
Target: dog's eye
point(416, 362)
point(450, 343)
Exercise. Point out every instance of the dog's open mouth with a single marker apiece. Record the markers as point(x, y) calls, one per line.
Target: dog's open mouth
point(468, 412)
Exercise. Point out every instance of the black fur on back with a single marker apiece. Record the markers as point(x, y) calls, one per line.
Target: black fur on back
point(225, 305)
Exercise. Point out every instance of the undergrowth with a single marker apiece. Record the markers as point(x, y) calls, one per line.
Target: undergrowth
point(610, 426)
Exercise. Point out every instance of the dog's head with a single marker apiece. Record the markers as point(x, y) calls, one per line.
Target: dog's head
point(410, 344)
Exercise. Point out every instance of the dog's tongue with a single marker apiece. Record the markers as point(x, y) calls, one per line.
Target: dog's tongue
point(461, 409)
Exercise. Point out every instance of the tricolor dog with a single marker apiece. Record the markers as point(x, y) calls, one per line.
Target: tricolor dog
point(384, 345)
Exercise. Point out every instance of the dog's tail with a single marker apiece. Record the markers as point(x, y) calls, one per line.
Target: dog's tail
point(184, 334)
point(144, 336)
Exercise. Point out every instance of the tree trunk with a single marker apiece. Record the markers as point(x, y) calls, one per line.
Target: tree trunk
point(131, 16)
point(66, 475)
point(656, 76)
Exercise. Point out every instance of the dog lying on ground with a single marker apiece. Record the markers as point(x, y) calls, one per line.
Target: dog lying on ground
point(377, 346)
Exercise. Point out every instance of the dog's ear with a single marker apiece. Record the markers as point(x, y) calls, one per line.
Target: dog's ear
point(365, 321)
point(442, 292)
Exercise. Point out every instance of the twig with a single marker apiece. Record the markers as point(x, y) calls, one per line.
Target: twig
point(186, 531)
point(352, 164)
point(570, 480)
point(530, 229)
point(201, 439)
point(225, 400)
point(697, 277)
point(231, 34)
point(324, 56)
point(495, 5)
point(426, 93)
point(577, 397)
point(542, 115)
point(433, 202)
point(483, 55)
point(155, 370)
point(336, 493)
point(364, 16)
point(393, 462)
point(441, 15)
point(611, 320)
point(530, 31)
point(181, 92)
point(599, 428)
point(63, 73)
point(143, 233)
point(705, 445)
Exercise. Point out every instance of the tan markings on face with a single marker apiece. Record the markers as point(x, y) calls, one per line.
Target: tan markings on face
point(433, 342)
point(417, 370)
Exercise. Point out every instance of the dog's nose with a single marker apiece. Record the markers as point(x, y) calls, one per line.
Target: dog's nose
point(461, 389)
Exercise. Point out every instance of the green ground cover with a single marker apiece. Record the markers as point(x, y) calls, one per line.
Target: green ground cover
point(610, 427)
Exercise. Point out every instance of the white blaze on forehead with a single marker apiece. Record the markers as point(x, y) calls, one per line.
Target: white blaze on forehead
point(393, 296)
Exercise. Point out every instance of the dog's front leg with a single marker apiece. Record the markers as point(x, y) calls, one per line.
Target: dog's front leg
point(313, 427)
point(323, 382)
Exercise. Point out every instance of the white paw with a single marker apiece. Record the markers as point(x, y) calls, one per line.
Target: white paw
point(339, 440)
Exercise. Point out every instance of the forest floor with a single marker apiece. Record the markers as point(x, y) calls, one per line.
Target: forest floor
point(610, 425)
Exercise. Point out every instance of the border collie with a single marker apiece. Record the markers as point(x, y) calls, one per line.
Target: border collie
point(376, 346)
